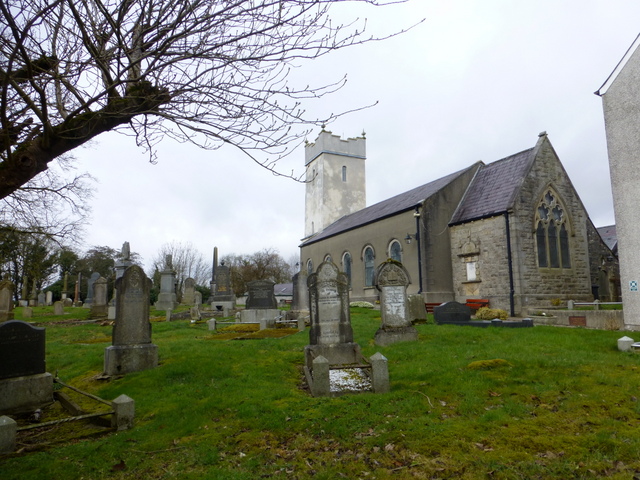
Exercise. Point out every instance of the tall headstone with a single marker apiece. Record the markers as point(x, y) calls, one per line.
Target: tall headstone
point(261, 306)
point(223, 295)
point(300, 300)
point(33, 296)
point(49, 298)
point(6, 300)
point(99, 302)
point(90, 291)
point(24, 301)
point(41, 299)
point(58, 308)
point(24, 383)
point(167, 298)
point(391, 279)
point(132, 349)
point(331, 335)
point(188, 297)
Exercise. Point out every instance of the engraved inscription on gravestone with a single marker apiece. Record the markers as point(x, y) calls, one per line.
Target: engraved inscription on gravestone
point(132, 308)
point(260, 295)
point(329, 309)
point(22, 349)
point(452, 312)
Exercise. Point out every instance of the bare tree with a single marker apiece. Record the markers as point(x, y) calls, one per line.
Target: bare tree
point(267, 264)
point(187, 262)
point(204, 71)
point(55, 203)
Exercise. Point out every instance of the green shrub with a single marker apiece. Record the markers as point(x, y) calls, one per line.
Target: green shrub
point(486, 313)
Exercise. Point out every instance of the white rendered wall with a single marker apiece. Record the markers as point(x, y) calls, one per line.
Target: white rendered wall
point(328, 197)
point(621, 104)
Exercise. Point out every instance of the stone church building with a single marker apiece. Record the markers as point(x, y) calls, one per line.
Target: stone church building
point(513, 231)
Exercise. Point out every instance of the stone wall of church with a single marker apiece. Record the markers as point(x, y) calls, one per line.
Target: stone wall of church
point(484, 243)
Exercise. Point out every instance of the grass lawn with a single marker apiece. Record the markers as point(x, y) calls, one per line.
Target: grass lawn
point(465, 403)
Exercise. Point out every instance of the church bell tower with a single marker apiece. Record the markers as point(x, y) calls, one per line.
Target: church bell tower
point(335, 179)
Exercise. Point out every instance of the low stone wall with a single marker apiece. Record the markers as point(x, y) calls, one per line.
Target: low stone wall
point(598, 319)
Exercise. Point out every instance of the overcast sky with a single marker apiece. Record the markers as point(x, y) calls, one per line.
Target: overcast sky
point(478, 80)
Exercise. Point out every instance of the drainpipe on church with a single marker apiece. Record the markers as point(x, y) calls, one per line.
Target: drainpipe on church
point(417, 217)
point(510, 262)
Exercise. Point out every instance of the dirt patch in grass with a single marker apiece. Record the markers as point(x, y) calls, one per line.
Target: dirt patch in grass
point(250, 332)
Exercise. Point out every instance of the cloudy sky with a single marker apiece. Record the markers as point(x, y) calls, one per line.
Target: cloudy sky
point(477, 80)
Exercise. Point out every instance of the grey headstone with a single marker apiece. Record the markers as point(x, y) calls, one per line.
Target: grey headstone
point(167, 298)
point(132, 325)
point(124, 412)
point(452, 312)
point(90, 287)
point(58, 308)
point(188, 298)
point(99, 305)
point(49, 298)
point(41, 299)
point(22, 349)
point(260, 295)
point(8, 432)
point(6, 300)
point(300, 300)
point(329, 306)
point(27, 312)
point(197, 298)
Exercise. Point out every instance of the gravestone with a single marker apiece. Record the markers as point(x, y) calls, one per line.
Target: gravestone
point(6, 300)
point(452, 312)
point(41, 299)
point(132, 349)
point(260, 295)
point(33, 296)
point(261, 306)
point(58, 308)
point(99, 304)
point(188, 298)
point(167, 298)
point(49, 298)
point(300, 300)
point(27, 312)
point(223, 295)
point(24, 383)
point(90, 289)
point(197, 298)
point(417, 307)
point(391, 279)
point(331, 335)
point(331, 346)
point(24, 301)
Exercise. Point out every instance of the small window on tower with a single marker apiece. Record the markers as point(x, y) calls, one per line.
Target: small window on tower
point(344, 173)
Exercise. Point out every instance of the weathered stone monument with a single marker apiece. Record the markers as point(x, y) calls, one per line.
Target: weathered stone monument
point(41, 299)
point(24, 383)
point(132, 349)
point(58, 308)
point(222, 295)
point(6, 300)
point(167, 298)
point(188, 297)
point(261, 306)
point(391, 279)
point(331, 344)
point(49, 298)
point(90, 291)
point(99, 303)
point(300, 300)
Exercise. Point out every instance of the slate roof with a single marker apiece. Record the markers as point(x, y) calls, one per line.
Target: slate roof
point(494, 188)
point(387, 208)
point(610, 237)
point(283, 289)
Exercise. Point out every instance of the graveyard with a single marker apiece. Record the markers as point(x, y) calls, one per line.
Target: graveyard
point(542, 402)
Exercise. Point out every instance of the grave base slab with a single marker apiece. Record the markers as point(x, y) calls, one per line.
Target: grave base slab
point(340, 354)
point(123, 359)
point(25, 394)
point(389, 336)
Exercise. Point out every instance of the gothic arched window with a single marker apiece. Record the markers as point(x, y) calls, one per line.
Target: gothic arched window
point(369, 258)
point(346, 265)
point(552, 235)
point(395, 251)
point(309, 267)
